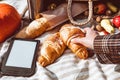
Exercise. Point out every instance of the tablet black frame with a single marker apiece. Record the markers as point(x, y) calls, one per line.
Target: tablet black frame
point(19, 71)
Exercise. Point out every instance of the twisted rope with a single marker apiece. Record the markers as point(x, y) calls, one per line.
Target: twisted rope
point(78, 23)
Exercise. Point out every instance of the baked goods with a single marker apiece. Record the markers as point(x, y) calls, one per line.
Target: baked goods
point(68, 32)
point(34, 29)
point(10, 21)
point(52, 48)
point(49, 20)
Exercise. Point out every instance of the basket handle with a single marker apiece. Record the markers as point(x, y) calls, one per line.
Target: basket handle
point(90, 3)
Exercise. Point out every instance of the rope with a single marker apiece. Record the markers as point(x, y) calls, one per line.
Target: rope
point(78, 23)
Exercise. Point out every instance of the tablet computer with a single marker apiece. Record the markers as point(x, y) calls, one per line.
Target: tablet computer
point(20, 59)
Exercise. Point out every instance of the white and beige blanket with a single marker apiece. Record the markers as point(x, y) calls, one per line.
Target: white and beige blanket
point(68, 66)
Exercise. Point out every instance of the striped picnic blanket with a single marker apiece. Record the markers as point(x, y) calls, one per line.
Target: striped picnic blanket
point(68, 66)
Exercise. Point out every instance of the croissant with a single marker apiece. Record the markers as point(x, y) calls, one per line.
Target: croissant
point(52, 48)
point(68, 32)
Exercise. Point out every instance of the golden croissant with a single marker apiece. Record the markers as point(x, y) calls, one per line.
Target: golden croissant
point(52, 48)
point(68, 32)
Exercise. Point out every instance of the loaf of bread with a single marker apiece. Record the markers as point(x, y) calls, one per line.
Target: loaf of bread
point(68, 32)
point(52, 48)
point(34, 29)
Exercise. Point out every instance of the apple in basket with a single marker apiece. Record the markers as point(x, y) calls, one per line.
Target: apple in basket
point(100, 8)
point(116, 21)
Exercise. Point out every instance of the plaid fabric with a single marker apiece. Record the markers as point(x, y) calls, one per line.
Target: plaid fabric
point(107, 48)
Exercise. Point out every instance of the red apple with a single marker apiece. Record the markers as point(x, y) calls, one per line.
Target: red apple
point(100, 8)
point(116, 21)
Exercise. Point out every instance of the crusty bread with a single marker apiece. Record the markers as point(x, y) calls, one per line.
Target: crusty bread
point(51, 49)
point(34, 29)
point(68, 32)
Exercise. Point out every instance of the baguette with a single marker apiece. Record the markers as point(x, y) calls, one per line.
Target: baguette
point(34, 29)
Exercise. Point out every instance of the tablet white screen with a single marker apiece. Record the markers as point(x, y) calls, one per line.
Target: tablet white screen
point(21, 54)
